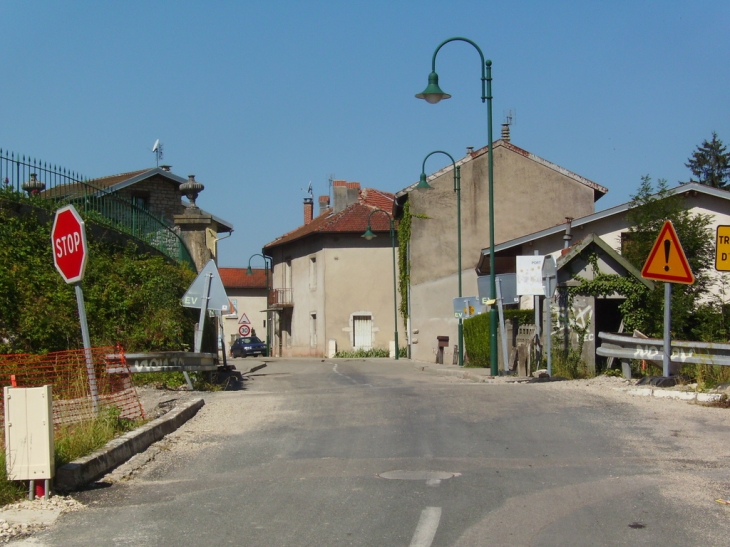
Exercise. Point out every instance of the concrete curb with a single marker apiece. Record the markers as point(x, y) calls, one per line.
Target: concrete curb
point(76, 474)
point(481, 375)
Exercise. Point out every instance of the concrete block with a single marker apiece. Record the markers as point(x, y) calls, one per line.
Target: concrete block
point(708, 397)
point(331, 348)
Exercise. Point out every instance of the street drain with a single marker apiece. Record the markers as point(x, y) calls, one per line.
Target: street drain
point(418, 475)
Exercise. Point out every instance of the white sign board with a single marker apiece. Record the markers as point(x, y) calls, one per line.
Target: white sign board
point(509, 294)
point(217, 297)
point(529, 275)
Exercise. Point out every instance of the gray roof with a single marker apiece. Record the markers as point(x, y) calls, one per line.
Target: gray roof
point(618, 209)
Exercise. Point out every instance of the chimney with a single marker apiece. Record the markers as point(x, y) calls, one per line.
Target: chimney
point(505, 132)
point(166, 167)
point(470, 150)
point(308, 210)
point(353, 192)
point(568, 232)
point(324, 203)
point(339, 191)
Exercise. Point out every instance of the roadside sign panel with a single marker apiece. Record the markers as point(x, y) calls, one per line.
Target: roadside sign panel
point(68, 239)
point(218, 299)
point(549, 276)
point(529, 275)
point(667, 261)
point(466, 307)
point(244, 330)
point(722, 249)
point(244, 320)
point(509, 288)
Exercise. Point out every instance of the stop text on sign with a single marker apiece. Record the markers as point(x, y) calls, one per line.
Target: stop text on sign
point(68, 239)
point(68, 244)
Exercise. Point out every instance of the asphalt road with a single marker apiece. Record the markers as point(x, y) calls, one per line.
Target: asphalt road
point(372, 453)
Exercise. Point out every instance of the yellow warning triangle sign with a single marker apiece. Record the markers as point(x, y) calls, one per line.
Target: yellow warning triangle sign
point(667, 261)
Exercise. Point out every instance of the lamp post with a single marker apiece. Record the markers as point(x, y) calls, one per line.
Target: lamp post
point(433, 94)
point(249, 271)
point(368, 235)
point(423, 185)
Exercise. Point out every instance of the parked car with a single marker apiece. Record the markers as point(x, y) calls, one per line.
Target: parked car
point(248, 345)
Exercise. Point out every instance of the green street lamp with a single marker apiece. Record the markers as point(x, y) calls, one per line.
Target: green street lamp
point(423, 185)
point(368, 235)
point(249, 271)
point(433, 94)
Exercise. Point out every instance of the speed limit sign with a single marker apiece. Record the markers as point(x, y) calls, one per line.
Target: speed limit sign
point(244, 330)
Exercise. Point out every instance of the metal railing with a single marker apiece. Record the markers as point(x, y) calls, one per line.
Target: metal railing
point(64, 186)
point(280, 297)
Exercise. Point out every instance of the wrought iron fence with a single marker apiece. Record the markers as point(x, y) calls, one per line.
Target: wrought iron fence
point(40, 179)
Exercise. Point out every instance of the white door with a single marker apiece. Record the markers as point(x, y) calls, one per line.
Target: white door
point(362, 332)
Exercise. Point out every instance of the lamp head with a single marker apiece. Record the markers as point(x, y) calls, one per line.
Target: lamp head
point(368, 234)
point(422, 184)
point(433, 93)
point(249, 271)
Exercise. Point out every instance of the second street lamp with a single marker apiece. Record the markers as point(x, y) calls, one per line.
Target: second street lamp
point(423, 185)
point(368, 235)
point(249, 271)
point(433, 94)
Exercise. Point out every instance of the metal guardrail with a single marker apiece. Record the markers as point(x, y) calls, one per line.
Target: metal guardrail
point(621, 346)
point(162, 361)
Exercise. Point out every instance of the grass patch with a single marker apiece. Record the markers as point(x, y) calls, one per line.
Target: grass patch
point(10, 491)
point(75, 441)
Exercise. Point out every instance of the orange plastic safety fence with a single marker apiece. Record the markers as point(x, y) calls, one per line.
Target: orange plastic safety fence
point(68, 373)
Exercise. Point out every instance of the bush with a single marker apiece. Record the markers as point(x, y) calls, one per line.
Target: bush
point(476, 335)
point(362, 353)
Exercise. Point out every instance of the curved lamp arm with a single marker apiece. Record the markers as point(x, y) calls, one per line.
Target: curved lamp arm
point(433, 93)
point(423, 183)
point(369, 233)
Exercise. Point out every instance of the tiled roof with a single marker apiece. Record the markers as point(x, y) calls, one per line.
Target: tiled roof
point(236, 278)
point(352, 219)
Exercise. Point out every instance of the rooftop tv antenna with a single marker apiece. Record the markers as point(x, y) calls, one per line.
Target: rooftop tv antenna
point(510, 117)
point(330, 178)
point(157, 149)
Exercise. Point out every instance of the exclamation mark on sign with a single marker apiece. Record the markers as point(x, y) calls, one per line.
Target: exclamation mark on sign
point(667, 246)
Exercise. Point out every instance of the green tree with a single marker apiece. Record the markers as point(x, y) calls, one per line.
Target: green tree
point(710, 163)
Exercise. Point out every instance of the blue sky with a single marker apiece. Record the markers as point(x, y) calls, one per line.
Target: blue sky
point(258, 98)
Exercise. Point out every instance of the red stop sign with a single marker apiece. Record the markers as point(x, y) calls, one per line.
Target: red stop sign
point(68, 239)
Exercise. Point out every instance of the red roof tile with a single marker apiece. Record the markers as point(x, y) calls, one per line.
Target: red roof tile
point(352, 219)
point(237, 278)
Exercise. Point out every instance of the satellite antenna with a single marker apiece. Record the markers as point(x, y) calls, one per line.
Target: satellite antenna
point(157, 149)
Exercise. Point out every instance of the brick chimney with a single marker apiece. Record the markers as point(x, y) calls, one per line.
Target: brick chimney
point(339, 191)
point(353, 192)
point(324, 204)
point(308, 210)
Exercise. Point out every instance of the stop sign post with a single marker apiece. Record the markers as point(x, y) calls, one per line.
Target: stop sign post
point(70, 255)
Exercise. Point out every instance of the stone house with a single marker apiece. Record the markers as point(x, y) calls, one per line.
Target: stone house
point(159, 191)
point(530, 193)
point(333, 289)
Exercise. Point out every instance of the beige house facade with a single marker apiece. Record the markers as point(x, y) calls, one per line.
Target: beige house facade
point(331, 288)
point(248, 301)
point(530, 194)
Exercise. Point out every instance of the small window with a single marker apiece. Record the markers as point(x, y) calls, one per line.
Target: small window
point(312, 272)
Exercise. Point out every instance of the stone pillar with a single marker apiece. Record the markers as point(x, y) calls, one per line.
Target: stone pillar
point(194, 225)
